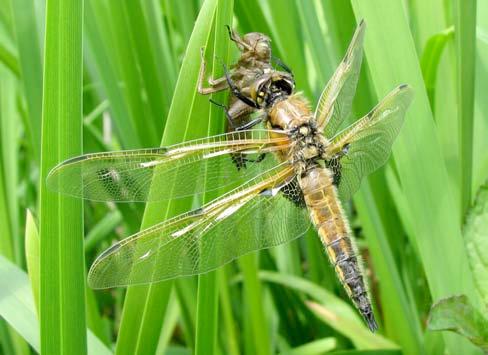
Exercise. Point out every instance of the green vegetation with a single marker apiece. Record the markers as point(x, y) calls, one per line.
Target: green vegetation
point(87, 76)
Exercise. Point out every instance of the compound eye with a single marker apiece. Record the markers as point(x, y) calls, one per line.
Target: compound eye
point(260, 97)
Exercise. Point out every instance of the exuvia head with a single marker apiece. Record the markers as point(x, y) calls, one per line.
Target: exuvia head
point(272, 87)
point(256, 44)
point(259, 44)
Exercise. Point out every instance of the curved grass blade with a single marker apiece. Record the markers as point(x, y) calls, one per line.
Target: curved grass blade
point(207, 320)
point(145, 306)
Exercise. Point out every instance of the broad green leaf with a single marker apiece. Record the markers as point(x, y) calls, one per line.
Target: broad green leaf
point(476, 237)
point(456, 314)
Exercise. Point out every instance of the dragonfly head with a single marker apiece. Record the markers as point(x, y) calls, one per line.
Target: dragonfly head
point(271, 88)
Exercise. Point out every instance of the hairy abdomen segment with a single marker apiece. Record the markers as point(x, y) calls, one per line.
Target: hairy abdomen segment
point(328, 217)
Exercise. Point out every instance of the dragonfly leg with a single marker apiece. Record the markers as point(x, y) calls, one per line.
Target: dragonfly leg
point(236, 38)
point(235, 90)
point(282, 65)
point(216, 85)
point(230, 120)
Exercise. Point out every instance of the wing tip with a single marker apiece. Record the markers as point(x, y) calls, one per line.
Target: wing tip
point(406, 89)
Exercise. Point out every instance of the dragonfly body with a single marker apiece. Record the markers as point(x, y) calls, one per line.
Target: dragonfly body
point(307, 153)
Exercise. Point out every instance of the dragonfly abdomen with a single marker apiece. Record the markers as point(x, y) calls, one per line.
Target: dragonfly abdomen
point(328, 217)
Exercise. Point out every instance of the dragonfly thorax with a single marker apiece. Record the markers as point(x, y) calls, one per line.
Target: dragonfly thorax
point(309, 147)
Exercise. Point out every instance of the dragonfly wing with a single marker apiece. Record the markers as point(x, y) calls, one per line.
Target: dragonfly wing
point(365, 146)
point(252, 217)
point(180, 170)
point(335, 101)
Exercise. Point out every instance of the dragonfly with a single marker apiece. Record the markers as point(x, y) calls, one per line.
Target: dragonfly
point(300, 167)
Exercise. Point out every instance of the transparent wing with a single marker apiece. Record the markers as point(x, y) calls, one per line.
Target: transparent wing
point(365, 145)
point(252, 217)
point(335, 101)
point(180, 170)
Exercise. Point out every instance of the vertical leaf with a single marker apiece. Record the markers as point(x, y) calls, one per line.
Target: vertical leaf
point(208, 291)
point(465, 26)
point(26, 33)
point(62, 295)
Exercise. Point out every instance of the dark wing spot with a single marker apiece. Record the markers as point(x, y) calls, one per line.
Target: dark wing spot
point(294, 193)
point(335, 166)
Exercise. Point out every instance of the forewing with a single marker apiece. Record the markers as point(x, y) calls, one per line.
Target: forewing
point(180, 170)
point(366, 144)
point(252, 217)
point(335, 101)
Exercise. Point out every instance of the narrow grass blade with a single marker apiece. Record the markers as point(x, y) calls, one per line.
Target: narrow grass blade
point(96, 38)
point(8, 166)
point(358, 334)
point(465, 24)
point(228, 319)
point(392, 60)
point(9, 60)
point(321, 55)
point(62, 289)
point(167, 66)
point(287, 34)
point(430, 18)
point(10, 242)
point(429, 62)
point(317, 292)
point(253, 298)
point(369, 352)
point(145, 306)
point(206, 333)
point(315, 347)
point(29, 52)
point(480, 143)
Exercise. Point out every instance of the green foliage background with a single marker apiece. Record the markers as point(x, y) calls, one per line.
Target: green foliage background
point(84, 76)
